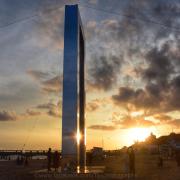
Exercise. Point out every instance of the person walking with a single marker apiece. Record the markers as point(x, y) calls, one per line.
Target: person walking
point(49, 157)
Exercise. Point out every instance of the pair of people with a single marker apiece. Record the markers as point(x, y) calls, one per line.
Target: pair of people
point(56, 159)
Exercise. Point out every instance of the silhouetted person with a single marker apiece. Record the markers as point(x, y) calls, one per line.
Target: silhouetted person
point(56, 160)
point(21, 160)
point(131, 161)
point(49, 159)
point(26, 161)
point(18, 160)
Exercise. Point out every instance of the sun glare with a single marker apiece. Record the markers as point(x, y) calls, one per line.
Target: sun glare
point(78, 136)
point(138, 134)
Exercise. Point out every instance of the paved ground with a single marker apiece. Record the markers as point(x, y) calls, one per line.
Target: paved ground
point(146, 169)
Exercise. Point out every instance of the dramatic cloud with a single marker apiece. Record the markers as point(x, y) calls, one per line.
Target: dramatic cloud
point(159, 66)
point(129, 122)
point(125, 122)
point(52, 109)
point(139, 44)
point(104, 71)
point(7, 116)
point(162, 84)
point(145, 17)
point(126, 94)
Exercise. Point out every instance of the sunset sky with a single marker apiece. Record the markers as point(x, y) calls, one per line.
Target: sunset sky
point(132, 71)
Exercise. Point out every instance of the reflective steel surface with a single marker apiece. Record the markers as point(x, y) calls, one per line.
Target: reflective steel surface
point(73, 107)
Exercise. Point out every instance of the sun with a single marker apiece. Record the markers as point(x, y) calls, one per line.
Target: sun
point(138, 134)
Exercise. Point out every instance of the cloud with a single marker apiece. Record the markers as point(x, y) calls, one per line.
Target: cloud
point(32, 112)
point(137, 18)
point(162, 83)
point(48, 105)
point(37, 75)
point(52, 109)
point(102, 127)
point(129, 122)
point(52, 85)
point(8, 116)
point(48, 84)
point(96, 104)
point(93, 1)
point(54, 113)
point(49, 27)
point(159, 65)
point(175, 122)
point(90, 29)
point(134, 99)
point(163, 118)
point(12, 115)
point(126, 94)
point(125, 122)
point(103, 72)
point(92, 106)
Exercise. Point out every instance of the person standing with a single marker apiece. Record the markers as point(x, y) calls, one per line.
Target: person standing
point(56, 160)
point(49, 157)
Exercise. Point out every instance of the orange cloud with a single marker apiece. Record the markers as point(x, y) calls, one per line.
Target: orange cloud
point(102, 127)
point(52, 85)
point(129, 122)
point(52, 109)
point(32, 112)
